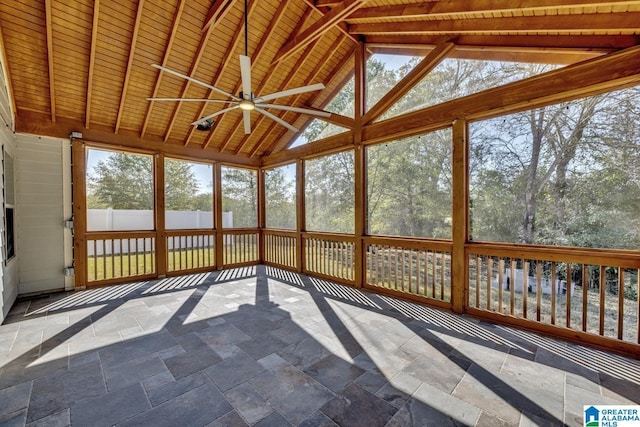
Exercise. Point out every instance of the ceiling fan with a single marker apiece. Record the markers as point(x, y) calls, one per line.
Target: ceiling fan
point(246, 101)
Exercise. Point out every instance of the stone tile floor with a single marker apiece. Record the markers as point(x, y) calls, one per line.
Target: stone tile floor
point(264, 347)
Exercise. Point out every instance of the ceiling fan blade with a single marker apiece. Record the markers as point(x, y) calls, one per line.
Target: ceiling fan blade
point(277, 119)
point(217, 113)
point(289, 92)
point(229, 101)
point(245, 71)
point(295, 109)
point(191, 79)
point(246, 115)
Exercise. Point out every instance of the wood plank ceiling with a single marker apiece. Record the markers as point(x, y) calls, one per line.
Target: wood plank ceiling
point(86, 63)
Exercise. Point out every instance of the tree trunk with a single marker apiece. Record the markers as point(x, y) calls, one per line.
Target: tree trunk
point(531, 190)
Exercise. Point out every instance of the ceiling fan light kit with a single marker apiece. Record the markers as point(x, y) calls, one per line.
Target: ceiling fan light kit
point(246, 102)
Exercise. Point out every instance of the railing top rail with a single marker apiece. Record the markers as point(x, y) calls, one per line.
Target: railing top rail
point(321, 235)
point(280, 232)
point(240, 230)
point(409, 243)
point(191, 232)
point(109, 235)
point(608, 257)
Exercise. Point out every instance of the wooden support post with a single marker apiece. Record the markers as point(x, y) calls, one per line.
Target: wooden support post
point(261, 214)
point(161, 236)
point(79, 214)
point(360, 210)
point(300, 216)
point(217, 208)
point(460, 217)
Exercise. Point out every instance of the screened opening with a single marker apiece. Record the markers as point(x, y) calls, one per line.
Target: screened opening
point(280, 197)
point(563, 175)
point(384, 71)
point(329, 193)
point(239, 197)
point(454, 78)
point(119, 190)
point(409, 186)
point(188, 192)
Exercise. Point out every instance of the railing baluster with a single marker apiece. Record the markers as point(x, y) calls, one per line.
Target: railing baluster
point(568, 295)
point(602, 291)
point(478, 260)
point(525, 286)
point(500, 283)
point(489, 274)
point(553, 292)
point(620, 302)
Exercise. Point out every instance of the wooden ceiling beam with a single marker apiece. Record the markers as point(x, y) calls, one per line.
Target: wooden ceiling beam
point(167, 51)
point(476, 8)
point(204, 39)
point(337, 87)
point(228, 57)
point(550, 24)
point(257, 56)
point(342, 26)
point(52, 80)
point(127, 75)
point(318, 28)
point(217, 9)
point(585, 43)
point(92, 61)
point(412, 78)
point(327, 3)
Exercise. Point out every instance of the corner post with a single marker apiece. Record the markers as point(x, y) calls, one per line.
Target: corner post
point(460, 216)
point(300, 216)
point(79, 176)
point(360, 189)
point(217, 208)
point(161, 235)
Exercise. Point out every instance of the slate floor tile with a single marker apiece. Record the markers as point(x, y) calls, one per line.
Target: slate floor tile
point(132, 372)
point(61, 419)
point(233, 371)
point(199, 406)
point(172, 389)
point(248, 403)
point(190, 362)
point(231, 419)
point(357, 407)
point(334, 373)
point(111, 408)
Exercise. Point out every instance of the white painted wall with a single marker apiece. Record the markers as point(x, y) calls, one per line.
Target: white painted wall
point(42, 195)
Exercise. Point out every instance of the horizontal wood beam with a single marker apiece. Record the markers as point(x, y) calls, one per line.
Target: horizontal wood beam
point(571, 82)
point(335, 119)
point(414, 77)
point(40, 124)
point(327, 3)
point(478, 8)
point(318, 28)
point(518, 43)
point(556, 24)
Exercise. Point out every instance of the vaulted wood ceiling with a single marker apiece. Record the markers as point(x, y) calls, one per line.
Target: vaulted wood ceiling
point(82, 64)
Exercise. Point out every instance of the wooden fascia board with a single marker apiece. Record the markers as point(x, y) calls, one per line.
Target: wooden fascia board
point(444, 9)
point(318, 28)
point(127, 75)
point(40, 124)
point(551, 24)
point(409, 81)
point(586, 78)
point(165, 58)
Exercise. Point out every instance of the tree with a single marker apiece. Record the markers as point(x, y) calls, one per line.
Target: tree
point(280, 197)
point(240, 196)
point(125, 181)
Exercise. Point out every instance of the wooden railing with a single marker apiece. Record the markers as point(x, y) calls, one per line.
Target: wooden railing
point(280, 248)
point(112, 256)
point(571, 292)
point(330, 256)
point(190, 250)
point(416, 268)
point(240, 247)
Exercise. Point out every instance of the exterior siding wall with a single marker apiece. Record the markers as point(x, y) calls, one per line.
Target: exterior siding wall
point(40, 212)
